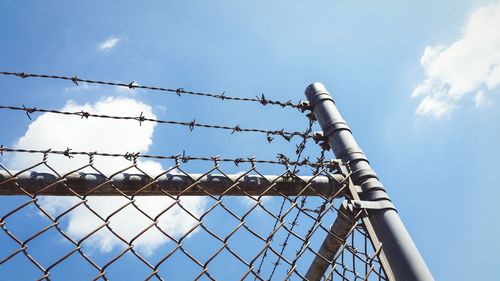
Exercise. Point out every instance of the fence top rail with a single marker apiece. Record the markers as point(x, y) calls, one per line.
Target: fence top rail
point(174, 184)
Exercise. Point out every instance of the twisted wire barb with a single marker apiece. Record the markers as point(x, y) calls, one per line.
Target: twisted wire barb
point(179, 91)
point(141, 118)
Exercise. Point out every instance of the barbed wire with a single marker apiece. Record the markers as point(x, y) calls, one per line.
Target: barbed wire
point(133, 156)
point(300, 148)
point(178, 91)
point(294, 203)
point(141, 118)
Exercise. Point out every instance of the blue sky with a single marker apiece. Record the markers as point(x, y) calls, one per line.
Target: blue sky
point(437, 163)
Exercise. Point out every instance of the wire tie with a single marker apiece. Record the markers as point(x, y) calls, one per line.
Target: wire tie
point(179, 91)
point(237, 161)
point(184, 159)
point(252, 161)
point(91, 157)
point(128, 156)
point(45, 154)
point(131, 156)
point(216, 160)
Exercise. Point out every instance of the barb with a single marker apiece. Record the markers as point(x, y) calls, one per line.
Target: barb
point(141, 118)
point(178, 91)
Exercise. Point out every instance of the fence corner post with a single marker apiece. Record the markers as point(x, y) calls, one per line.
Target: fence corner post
point(403, 257)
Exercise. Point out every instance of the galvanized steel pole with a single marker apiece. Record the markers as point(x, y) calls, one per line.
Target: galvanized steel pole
point(404, 259)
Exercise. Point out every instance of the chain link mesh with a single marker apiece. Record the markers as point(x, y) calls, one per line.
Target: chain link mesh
point(212, 236)
point(91, 215)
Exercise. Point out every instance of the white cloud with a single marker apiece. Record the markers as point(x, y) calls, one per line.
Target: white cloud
point(59, 132)
point(434, 107)
point(109, 43)
point(468, 66)
point(481, 100)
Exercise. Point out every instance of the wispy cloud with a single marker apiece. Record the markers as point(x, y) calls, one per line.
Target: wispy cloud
point(464, 71)
point(481, 100)
point(109, 43)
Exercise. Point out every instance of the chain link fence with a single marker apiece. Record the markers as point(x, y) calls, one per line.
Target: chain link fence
point(88, 215)
point(63, 215)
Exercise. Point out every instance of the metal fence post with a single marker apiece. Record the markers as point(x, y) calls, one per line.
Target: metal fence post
point(340, 229)
point(403, 257)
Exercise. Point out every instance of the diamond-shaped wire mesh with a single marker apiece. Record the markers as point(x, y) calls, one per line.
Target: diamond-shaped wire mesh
point(174, 224)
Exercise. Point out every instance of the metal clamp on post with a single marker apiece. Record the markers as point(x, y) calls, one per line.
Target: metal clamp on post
point(373, 205)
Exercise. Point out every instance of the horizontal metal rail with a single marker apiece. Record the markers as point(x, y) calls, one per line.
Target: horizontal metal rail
point(45, 183)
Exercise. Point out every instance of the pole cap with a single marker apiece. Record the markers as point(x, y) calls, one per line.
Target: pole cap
point(316, 92)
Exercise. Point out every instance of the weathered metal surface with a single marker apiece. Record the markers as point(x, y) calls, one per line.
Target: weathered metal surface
point(42, 183)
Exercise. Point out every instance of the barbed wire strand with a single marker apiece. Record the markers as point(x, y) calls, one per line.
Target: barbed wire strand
point(141, 118)
point(178, 91)
point(282, 159)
